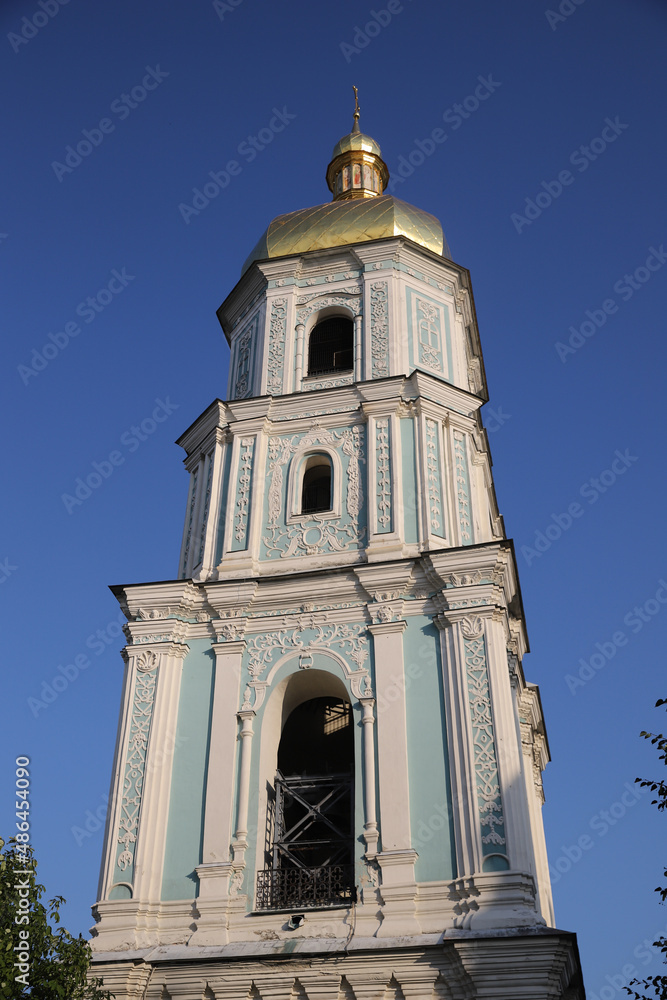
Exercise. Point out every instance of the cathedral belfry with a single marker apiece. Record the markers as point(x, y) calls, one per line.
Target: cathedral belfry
point(327, 781)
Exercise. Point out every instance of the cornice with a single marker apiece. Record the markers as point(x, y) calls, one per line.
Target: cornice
point(214, 416)
point(240, 300)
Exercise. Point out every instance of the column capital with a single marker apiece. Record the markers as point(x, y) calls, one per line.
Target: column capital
point(456, 616)
point(154, 653)
point(232, 648)
point(386, 628)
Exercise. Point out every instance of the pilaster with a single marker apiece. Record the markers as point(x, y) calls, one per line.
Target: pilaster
point(216, 868)
point(154, 809)
point(396, 858)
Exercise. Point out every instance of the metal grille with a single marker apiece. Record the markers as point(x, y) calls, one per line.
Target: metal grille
point(313, 821)
point(316, 492)
point(330, 348)
point(311, 848)
point(286, 888)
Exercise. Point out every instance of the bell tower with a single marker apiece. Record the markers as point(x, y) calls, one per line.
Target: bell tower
point(327, 778)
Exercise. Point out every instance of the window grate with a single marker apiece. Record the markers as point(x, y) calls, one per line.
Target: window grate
point(330, 348)
point(286, 888)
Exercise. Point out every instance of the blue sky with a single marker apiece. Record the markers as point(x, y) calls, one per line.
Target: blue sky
point(570, 132)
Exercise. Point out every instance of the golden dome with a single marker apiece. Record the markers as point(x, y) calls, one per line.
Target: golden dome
point(357, 177)
point(356, 140)
point(339, 223)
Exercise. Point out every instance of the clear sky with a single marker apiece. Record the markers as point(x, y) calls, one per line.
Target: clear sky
point(550, 185)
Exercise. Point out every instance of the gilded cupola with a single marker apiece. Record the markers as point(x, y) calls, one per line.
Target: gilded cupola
point(359, 212)
point(357, 169)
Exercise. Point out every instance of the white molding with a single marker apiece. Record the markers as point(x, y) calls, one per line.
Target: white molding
point(295, 481)
point(154, 812)
point(222, 753)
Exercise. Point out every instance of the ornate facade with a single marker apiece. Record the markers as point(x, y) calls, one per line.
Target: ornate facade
point(328, 770)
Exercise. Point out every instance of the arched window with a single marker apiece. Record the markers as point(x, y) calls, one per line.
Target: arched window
point(331, 346)
point(311, 858)
point(316, 485)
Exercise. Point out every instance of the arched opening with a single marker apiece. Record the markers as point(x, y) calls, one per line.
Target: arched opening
point(331, 346)
point(316, 485)
point(310, 856)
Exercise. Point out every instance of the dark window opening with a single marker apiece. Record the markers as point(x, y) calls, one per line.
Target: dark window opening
point(316, 485)
point(331, 346)
point(310, 856)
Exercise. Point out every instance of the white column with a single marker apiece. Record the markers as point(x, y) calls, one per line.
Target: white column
point(397, 858)
point(216, 868)
point(222, 751)
point(240, 840)
point(215, 500)
point(154, 811)
point(533, 798)
point(460, 750)
point(392, 736)
point(519, 846)
point(370, 818)
point(358, 348)
point(300, 329)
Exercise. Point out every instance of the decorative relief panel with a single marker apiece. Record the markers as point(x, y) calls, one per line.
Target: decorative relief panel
point(207, 503)
point(191, 515)
point(379, 330)
point(428, 331)
point(350, 297)
point(429, 335)
point(383, 475)
point(135, 763)
point(489, 800)
point(318, 533)
point(434, 480)
point(462, 487)
point(277, 336)
point(327, 383)
point(242, 384)
point(305, 636)
point(243, 491)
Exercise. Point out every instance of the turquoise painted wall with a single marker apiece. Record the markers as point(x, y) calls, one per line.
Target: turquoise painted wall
point(188, 784)
point(428, 760)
